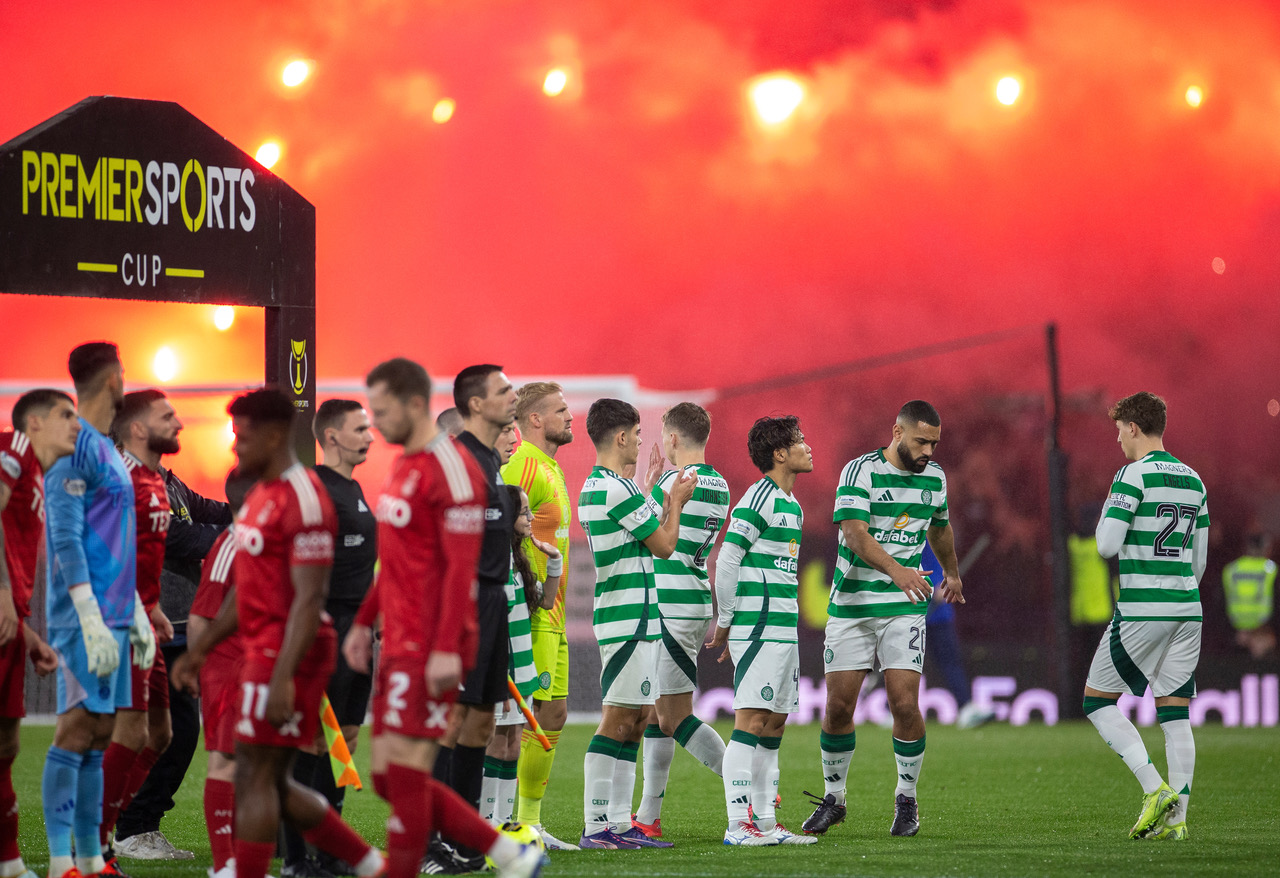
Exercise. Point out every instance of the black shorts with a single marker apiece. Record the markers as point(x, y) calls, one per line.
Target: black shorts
point(348, 690)
point(487, 681)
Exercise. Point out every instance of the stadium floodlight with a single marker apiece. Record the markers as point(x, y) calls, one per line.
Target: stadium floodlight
point(555, 81)
point(295, 73)
point(1194, 95)
point(1007, 90)
point(775, 97)
point(268, 154)
point(223, 317)
point(443, 110)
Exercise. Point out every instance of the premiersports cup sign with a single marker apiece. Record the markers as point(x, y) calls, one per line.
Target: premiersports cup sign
point(121, 198)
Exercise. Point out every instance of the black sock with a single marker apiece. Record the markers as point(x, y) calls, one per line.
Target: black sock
point(468, 773)
point(295, 846)
point(443, 770)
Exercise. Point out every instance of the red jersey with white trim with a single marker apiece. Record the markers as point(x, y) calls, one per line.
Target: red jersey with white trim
point(285, 522)
point(430, 526)
point(23, 517)
point(151, 507)
point(215, 581)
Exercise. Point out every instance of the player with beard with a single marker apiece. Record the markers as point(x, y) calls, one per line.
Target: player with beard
point(430, 530)
point(145, 428)
point(888, 503)
point(45, 428)
point(546, 425)
point(342, 428)
point(93, 611)
point(285, 533)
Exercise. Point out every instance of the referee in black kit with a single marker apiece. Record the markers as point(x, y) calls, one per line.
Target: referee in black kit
point(341, 426)
point(487, 402)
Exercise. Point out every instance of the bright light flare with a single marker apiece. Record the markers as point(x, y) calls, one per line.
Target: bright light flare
point(554, 83)
point(776, 97)
point(165, 364)
point(295, 73)
point(268, 154)
point(1007, 91)
point(1195, 95)
point(443, 110)
point(223, 317)
point(1219, 265)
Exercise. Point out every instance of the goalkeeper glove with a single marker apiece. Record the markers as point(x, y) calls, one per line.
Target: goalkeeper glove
point(99, 643)
point(142, 636)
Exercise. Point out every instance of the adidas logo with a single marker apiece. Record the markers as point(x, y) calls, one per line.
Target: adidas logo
point(886, 497)
point(154, 500)
point(600, 818)
point(360, 507)
point(908, 778)
point(832, 778)
point(741, 800)
point(223, 830)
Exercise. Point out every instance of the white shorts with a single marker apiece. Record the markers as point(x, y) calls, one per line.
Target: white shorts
point(678, 654)
point(512, 717)
point(766, 675)
point(1135, 654)
point(629, 673)
point(855, 644)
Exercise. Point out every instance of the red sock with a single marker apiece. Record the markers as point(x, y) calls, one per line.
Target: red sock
point(219, 818)
point(116, 765)
point(380, 785)
point(409, 825)
point(336, 838)
point(8, 813)
point(253, 858)
point(458, 821)
point(138, 776)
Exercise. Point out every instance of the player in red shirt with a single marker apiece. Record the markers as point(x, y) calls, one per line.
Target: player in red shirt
point(145, 428)
point(430, 525)
point(44, 429)
point(284, 535)
point(219, 689)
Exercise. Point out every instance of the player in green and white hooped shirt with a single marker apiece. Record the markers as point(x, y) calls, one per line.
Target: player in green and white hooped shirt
point(684, 598)
point(626, 530)
point(888, 503)
point(756, 586)
point(1157, 521)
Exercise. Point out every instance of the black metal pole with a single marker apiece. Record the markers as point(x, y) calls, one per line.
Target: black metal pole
point(1059, 525)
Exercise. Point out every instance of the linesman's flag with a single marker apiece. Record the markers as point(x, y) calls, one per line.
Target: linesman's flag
point(344, 767)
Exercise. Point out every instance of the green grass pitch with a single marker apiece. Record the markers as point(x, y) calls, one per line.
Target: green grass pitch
point(1023, 801)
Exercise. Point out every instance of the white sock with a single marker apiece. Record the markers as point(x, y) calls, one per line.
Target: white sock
point(597, 775)
point(507, 791)
point(1180, 748)
point(489, 797)
point(701, 741)
point(13, 868)
point(837, 756)
point(624, 786)
point(1123, 738)
point(736, 771)
point(908, 757)
point(91, 865)
point(764, 782)
point(60, 865)
point(658, 752)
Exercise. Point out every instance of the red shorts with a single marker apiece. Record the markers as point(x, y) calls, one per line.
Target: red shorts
point(151, 687)
point(308, 688)
point(219, 707)
point(401, 704)
point(13, 673)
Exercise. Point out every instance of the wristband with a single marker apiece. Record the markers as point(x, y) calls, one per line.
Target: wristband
point(555, 566)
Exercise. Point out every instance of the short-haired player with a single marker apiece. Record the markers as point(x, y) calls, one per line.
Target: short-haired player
point(888, 502)
point(45, 428)
point(626, 530)
point(684, 600)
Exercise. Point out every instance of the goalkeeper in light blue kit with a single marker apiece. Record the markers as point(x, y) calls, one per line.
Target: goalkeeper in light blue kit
point(93, 612)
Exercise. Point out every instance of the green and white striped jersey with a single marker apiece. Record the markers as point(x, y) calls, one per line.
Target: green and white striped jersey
point(617, 518)
point(766, 524)
point(899, 507)
point(684, 589)
point(520, 663)
point(1162, 503)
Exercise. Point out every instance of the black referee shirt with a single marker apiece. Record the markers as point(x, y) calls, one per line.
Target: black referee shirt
point(356, 550)
point(499, 518)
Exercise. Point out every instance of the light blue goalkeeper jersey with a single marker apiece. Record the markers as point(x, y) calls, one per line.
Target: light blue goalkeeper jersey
point(90, 532)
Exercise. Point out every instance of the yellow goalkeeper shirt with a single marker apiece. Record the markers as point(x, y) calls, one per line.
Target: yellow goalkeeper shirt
point(543, 480)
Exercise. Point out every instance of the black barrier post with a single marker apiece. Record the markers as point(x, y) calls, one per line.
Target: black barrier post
point(1058, 526)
